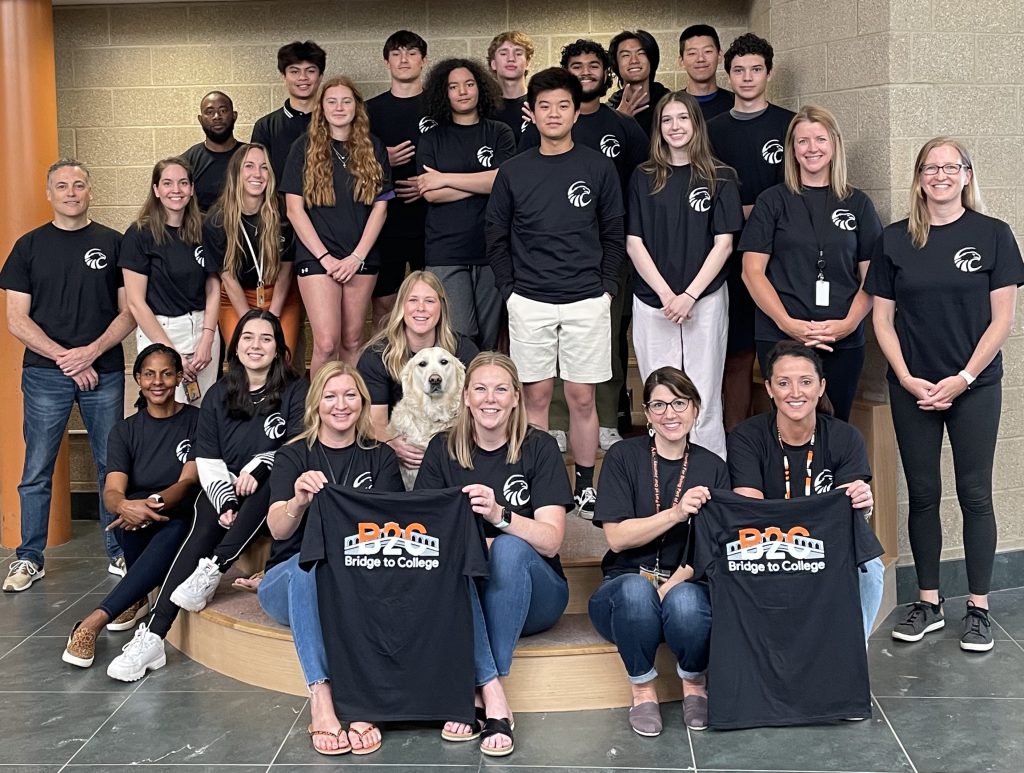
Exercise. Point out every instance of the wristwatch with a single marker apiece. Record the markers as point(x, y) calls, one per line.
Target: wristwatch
point(506, 519)
point(157, 498)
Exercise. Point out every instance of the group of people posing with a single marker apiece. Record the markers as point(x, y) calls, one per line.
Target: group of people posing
point(515, 204)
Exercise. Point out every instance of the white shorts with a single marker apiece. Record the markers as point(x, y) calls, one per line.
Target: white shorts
point(571, 340)
point(185, 332)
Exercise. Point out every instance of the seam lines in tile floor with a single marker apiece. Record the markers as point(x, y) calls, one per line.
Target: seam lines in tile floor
point(693, 754)
point(103, 723)
point(1008, 634)
point(895, 735)
point(288, 732)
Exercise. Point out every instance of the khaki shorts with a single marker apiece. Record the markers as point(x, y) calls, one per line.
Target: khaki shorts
point(570, 340)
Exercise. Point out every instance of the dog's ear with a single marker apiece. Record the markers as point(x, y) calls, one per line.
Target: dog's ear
point(408, 385)
point(460, 374)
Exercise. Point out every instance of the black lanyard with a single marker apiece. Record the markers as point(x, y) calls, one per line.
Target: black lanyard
point(676, 496)
point(330, 467)
point(819, 234)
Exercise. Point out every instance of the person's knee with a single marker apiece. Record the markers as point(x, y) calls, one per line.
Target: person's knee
point(687, 601)
point(580, 398)
point(509, 558)
point(636, 598)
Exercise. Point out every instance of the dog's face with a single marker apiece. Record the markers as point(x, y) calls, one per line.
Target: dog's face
point(434, 372)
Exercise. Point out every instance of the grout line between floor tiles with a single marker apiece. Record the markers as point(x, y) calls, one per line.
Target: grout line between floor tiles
point(950, 697)
point(37, 630)
point(1019, 645)
point(103, 723)
point(288, 732)
point(895, 735)
point(693, 754)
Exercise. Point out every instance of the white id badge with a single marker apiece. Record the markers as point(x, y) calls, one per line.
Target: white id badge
point(821, 293)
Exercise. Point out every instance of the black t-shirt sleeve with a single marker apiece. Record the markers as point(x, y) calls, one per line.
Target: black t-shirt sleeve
point(549, 484)
point(611, 224)
point(214, 240)
point(759, 232)
point(313, 547)
point(389, 476)
point(207, 441)
point(296, 397)
point(865, 544)
point(727, 217)
point(881, 279)
point(386, 186)
point(1009, 267)
point(746, 454)
point(434, 465)
point(119, 458)
point(504, 144)
point(133, 251)
point(291, 180)
point(289, 464)
point(869, 228)
point(378, 382)
point(15, 274)
point(617, 501)
point(426, 152)
point(499, 236)
point(850, 453)
point(261, 132)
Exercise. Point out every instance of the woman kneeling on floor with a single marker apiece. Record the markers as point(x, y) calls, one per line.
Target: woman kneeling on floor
point(650, 489)
point(336, 447)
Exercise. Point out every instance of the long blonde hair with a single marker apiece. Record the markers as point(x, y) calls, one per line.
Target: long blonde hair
point(461, 440)
point(918, 223)
point(392, 341)
point(704, 167)
point(153, 217)
point(838, 179)
point(228, 208)
point(318, 174)
point(311, 413)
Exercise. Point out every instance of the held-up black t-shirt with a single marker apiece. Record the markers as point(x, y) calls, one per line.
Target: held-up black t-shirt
point(151, 451)
point(553, 210)
point(781, 226)
point(73, 279)
point(383, 389)
point(510, 113)
point(209, 168)
point(215, 243)
point(755, 458)
point(712, 105)
point(455, 230)
point(537, 480)
point(391, 578)
point(349, 467)
point(627, 491)
point(277, 131)
point(787, 646)
point(942, 291)
point(679, 226)
point(176, 271)
point(395, 120)
point(339, 227)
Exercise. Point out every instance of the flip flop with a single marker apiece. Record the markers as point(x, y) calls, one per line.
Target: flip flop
point(330, 752)
point(362, 737)
point(472, 735)
point(248, 584)
point(494, 726)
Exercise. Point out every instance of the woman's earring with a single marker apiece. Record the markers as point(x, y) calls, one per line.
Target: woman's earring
point(650, 429)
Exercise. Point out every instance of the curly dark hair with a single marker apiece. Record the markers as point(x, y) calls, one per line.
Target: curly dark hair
point(583, 46)
point(747, 44)
point(435, 90)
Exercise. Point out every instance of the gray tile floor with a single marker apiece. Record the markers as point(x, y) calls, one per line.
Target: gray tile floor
point(936, 709)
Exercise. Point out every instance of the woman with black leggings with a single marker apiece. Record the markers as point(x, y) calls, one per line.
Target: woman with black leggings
point(945, 285)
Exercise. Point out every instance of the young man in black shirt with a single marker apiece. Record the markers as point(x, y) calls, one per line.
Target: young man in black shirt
point(209, 158)
point(555, 242)
point(66, 303)
point(700, 53)
point(397, 117)
point(635, 58)
point(301, 65)
point(749, 138)
point(509, 56)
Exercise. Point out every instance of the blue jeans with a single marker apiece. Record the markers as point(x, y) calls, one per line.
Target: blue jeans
point(288, 595)
point(871, 585)
point(522, 596)
point(48, 396)
point(626, 611)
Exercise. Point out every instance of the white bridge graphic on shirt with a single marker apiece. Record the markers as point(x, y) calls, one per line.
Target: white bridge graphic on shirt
point(800, 547)
point(775, 550)
point(392, 540)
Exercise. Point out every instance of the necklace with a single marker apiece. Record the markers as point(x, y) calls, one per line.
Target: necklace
point(676, 495)
point(785, 464)
point(342, 157)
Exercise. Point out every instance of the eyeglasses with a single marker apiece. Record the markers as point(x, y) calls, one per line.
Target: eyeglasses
point(657, 407)
point(950, 169)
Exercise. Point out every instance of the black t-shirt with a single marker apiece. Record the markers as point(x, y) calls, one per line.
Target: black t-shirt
point(942, 291)
point(781, 226)
point(383, 389)
point(553, 209)
point(614, 135)
point(679, 226)
point(236, 441)
point(339, 227)
point(73, 279)
point(626, 490)
point(455, 230)
point(787, 644)
point(350, 467)
point(510, 113)
point(755, 459)
point(176, 271)
point(537, 480)
point(721, 101)
point(215, 243)
point(277, 131)
point(395, 120)
point(754, 148)
point(151, 451)
point(644, 117)
point(392, 587)
point(209, 168)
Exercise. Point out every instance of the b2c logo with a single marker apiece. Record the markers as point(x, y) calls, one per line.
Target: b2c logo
point(967, 260)
point(700, 199)
point(772, 151)
point(844, 219)
point(274, 426)
point(96, 259)
point(485, 155)
point(579, 194)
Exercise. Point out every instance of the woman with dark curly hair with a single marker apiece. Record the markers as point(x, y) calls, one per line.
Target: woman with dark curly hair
point(457, 163)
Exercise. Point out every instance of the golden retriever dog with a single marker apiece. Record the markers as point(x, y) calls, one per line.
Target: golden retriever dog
point(431, 397)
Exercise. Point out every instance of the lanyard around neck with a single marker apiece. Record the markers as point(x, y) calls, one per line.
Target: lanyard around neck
point(676, 496)
point(257, 261)
point(785, 464)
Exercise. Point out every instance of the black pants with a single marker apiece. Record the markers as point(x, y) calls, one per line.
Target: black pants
point(972, 423)
point(208, 539)
point(842, 374)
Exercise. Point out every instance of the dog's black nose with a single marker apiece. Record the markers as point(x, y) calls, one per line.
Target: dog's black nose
point(435, 380)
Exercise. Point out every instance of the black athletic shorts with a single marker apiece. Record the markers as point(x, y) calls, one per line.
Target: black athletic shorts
point(395, 253)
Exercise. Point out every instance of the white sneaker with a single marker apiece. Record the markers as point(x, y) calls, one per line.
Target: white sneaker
point(145, 652)
point(195, 593)
point(607, 437)
point(560, 438)
point(117, 567)
point(21, 575)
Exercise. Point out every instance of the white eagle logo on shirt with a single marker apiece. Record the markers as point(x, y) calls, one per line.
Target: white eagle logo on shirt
point(610, 145)
point(426, 124)
point(772, 151)
point(96, 259)
point(845, 220)
point(274, 426)
point(967, 260)
point(198, 255)
point(516, 490)
point(579, 194)
point(700, 199)
point(182, 450)
point(484, 155)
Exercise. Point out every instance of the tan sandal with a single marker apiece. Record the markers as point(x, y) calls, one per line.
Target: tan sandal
point(339, 735)
point(250, 584)
point(362, 737)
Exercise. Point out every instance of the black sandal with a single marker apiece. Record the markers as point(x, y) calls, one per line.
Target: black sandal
point(477, 726)
point(493, 727)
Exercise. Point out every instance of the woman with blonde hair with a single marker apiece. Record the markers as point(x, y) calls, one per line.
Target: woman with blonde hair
point(335, 447)
point(337, 182)
point(419, 319)
point(806, 249)
point(245, 238)
point(515, 479)
point(945, 285)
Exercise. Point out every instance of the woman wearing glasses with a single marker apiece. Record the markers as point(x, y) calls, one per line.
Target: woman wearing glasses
point(651, 486)
point(945, 285)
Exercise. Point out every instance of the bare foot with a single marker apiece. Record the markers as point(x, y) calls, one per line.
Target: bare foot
point(496, 706)
point(321, 709)
point(644, 693)
point(364, 737)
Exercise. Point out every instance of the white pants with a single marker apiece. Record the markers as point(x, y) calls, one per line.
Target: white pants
point(185, 332)
point(697, 347)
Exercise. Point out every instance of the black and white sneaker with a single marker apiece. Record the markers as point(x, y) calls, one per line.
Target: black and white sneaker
point(921, 618)
point(977, 635)
point(586, 500)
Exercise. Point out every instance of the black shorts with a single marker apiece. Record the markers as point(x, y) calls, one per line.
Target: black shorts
point(395, 253)
point(315, 268)
point(741, 317)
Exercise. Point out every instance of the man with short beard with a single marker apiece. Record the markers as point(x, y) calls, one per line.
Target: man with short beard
point(209, 159)
point(635, 58)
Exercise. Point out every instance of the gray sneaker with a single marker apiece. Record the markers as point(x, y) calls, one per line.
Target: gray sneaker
point(977, 635)
point(921, 619)
point(21, 575)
